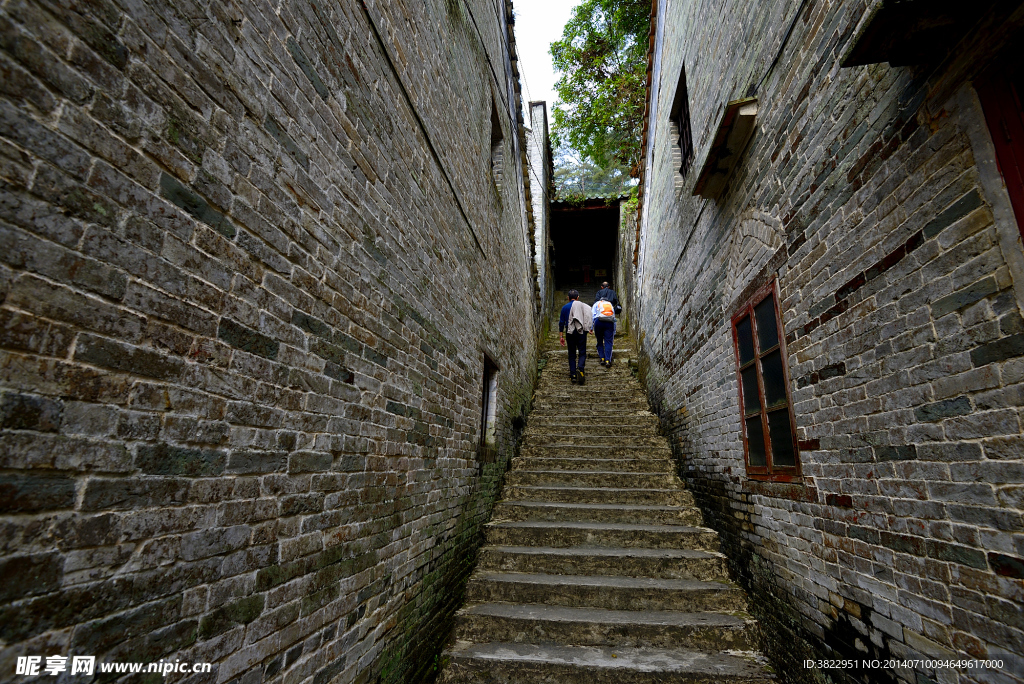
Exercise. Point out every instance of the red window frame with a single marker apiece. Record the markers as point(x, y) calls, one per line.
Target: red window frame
point(1001, 92)
point(769, 470)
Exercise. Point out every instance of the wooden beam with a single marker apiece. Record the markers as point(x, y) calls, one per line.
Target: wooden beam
point(734, 131)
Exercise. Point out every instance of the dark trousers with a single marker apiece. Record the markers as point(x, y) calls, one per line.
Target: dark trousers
point(577, 344)
point(604, 333)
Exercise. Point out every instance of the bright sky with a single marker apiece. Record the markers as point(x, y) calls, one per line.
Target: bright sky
point(538, 24)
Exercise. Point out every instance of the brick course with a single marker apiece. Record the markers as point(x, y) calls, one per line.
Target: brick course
point(252, 257)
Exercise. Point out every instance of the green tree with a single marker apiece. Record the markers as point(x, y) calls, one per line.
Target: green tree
point(576, 177)
point(602, 58)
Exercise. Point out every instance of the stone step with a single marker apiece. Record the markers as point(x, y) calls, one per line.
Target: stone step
point(601, 495)
point(623, 448)
point(553, 439)
point(597, 451)
point(617, 465)
point(602, 401)
point(596, 396)
point(535, 426)
point(558, 368)
point(559, 357)
point(591, 350)
point(621, 389)
point(610, 385)
point(598, 393)
point(535, 623)
point(706, 566)
point(558, 361)
point(558, 365)
point(612, 592)
point(617, 378)
point(642, 425)
point(598, 512)
point(571, 415)
point(586, 478)
point(593, 414)
point(606, 389)
point(596, 534)
point(610, 381)
point(511, 663)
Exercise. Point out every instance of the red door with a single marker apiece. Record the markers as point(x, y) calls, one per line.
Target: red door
point(1002, 93)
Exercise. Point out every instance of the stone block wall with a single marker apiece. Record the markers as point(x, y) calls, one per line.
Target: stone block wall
point(871, 195)
point(250, 255)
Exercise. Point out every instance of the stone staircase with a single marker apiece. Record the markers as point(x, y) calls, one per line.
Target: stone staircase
point(596, 567)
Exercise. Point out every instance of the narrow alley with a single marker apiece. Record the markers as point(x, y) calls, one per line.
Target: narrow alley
point(597, 566)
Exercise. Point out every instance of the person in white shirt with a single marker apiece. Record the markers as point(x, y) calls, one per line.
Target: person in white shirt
point(573, 325)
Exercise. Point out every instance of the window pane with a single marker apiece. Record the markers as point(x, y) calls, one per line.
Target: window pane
point(774, 379)
point(767, 330)
point(745, 340)
point(755, 442)
point(780, 431)
point(751, 397)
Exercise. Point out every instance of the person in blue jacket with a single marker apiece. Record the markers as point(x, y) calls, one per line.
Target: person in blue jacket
point(606, 292)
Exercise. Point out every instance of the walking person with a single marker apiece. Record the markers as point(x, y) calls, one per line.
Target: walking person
point(575, 321)
point(606, 308)
point(606, 292)
point(604, 330)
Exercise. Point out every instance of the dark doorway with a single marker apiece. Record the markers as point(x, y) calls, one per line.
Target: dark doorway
point(585, 238)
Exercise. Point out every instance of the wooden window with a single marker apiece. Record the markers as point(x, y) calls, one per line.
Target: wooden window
point(1002, 93)
point(766, 410)
point(679, 121)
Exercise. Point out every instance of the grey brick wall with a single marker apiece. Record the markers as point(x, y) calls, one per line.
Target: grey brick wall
point(625, 273)
point(251, 258)
point(871, 195)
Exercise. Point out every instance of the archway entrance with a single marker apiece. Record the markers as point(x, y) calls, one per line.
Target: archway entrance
point(585, 239)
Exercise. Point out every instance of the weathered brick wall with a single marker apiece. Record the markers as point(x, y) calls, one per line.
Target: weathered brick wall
point(871, 194)
point(252, 255)
point(625, 274)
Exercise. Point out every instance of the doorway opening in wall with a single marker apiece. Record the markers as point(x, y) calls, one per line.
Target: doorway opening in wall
point(489, 412)
point(1001, 92)
point(497, 151)
point(766, 409)
point(585, 241)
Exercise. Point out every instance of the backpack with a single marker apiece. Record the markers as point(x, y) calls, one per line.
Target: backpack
point(604, 311)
